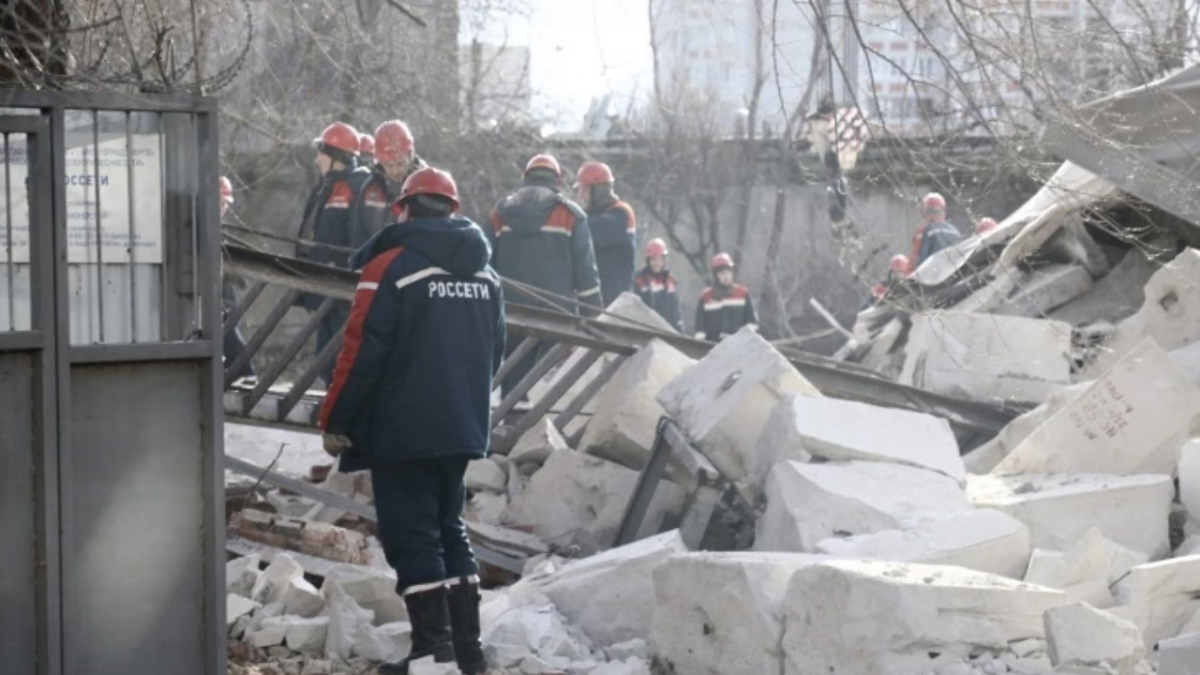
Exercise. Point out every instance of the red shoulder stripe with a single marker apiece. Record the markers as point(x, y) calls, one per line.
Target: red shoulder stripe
point(561, 218)
point(364, 295)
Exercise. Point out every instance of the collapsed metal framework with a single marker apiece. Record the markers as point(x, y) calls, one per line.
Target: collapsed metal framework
point(559, 334)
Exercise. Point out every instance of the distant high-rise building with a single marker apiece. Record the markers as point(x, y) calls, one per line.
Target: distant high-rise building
point(495, 82)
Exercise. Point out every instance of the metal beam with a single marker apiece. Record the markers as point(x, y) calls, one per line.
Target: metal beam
point(833, 378)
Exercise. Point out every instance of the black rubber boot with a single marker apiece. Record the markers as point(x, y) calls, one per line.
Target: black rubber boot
point(464, 617)
point(429, 613)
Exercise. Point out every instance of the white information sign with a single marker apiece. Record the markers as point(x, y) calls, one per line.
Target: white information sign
point(114, 215)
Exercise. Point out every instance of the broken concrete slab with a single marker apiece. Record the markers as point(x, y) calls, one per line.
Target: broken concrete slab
point(835, 611)
point(1160, 597)
point(270, 632)
point(1048, 289)
point(609, 596)
point(306, 636)
point(485, 475)
point(1115, 296)
point(625, 423)
point(840, 430)
point(807, 503)
point(722, 403)
point(242, 574)
point(984, 540)
point(1027, 359)
point(260, 445)
point(302, 599)
point(635, 649)
point(1123, 419)
point(345, 618)
point(995, 293)
point(236, 607)
point(1189, 477)
point(1082, 635)
point(576, 499)
point(631, 666)
point(488, 507)
point(539, 629)
point(1060, 510)
point(1179, 655)
point(371, 589)
point(272, 586)
point(985, 458)
point(389, 642)
point(718, 613)
point(537, 444)
point(1170, 314)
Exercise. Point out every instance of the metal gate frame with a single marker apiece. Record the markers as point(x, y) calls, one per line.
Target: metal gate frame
point(62, 644)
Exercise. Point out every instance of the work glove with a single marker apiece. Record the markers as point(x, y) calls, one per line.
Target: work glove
point(335, 444)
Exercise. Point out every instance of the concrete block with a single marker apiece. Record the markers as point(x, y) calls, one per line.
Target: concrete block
point(580, 500)
point(1048, 289)
point(985, 458)
point(840, 430)
point(1117, 425)
point(1189, 477)
point(1179, 656)
point(609, 596)
point(877, 618)
point(241, 575)
point(1115, 296)
point(722, 403)
point(780, 441)
point(388, 642)
point(1059, 510)
point(623, 427)
point(274, 583)
point(1160, 597)
point(807, 503)
point(636, 314)
point(1027, 359)
point(307, 636)
point(369, 588)
point(1188, 360)
point(302, 599)
point(537, 444)
point(485, 475)
point(270, 633)
point(345, 618)
point(236, 607)
point(1170, 313)
point(1080, 634)
point(983, 540)
point(719, 613)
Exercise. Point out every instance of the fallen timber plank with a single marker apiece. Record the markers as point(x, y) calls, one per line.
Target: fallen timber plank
point(833, 378)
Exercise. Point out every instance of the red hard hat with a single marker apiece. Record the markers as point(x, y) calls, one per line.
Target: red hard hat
point(393, 142)
point(366, 144)
point(430, 181)
point(544, 162)
point(656, 246)
point(900, 264)
point(594, 173)
point(986, 225)
point(340, 136)
point(722, 260)
point(934, 200)
point(226, 190)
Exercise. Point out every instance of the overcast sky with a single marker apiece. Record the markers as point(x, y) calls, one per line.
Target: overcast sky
point(582, 49)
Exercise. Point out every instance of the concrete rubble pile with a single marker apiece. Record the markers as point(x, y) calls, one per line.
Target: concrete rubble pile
point(873, 546)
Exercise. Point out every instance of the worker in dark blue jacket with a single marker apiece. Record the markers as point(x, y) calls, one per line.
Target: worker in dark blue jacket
point(325, 233)
point(393, 160)
point(410, 401)
point(656, 286)
point(935, 234)
point(614, 229)
point(541, 241)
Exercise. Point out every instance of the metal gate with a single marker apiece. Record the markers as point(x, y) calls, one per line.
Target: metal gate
point(111, 521)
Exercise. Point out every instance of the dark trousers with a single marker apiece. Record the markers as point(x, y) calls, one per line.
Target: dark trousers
point(234, 345)
point(329, 328)
point(419, 504)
